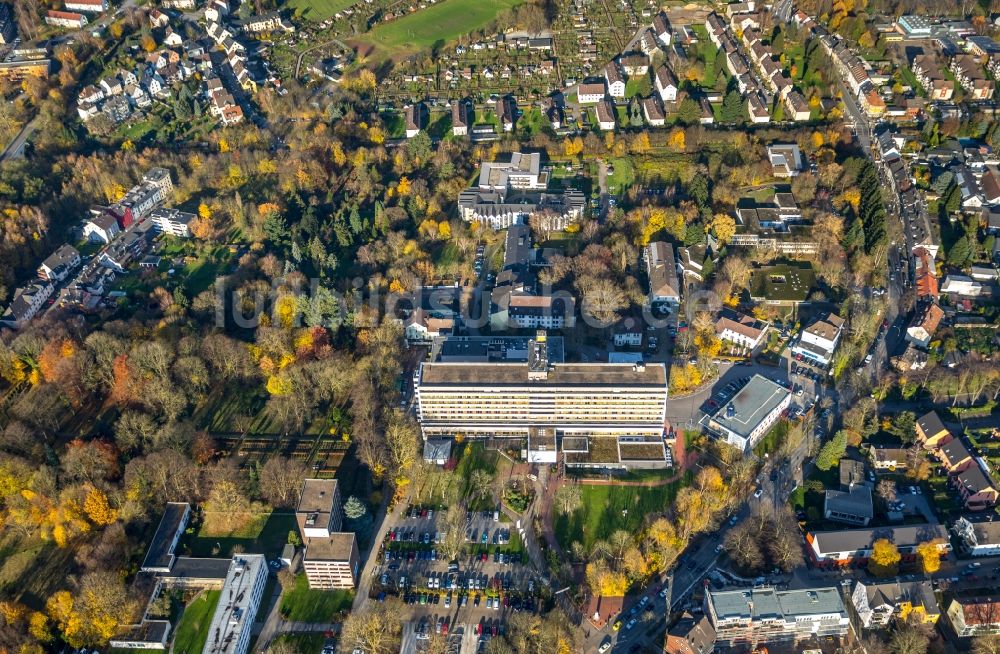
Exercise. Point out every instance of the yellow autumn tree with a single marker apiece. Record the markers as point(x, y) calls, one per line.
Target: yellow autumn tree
point(573, 146)
point(403, 186)
point(677, 140)
point(817, 140)
point(204, 211)
point(684, 379)
point(286, 309)
point(444, 230)
point(852, 196)
point(279, 385)
point(885, 558)
point(98, 509)
point(929, 554)
point(724, 227)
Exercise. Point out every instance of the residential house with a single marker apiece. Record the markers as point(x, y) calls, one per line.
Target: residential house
point(690, 636)
point(627, 333)
point(741, 329)
point(955, 456)
point(27, 301)
point(854, 546)
point(976, 488)
point(819, 340)
point(615, 80)
point(666, 84)
point(506, 112)
point(653, 112)
point(102, 228)
point(525, 311)
point(606, 118)
point(853, 506)
point(757, 109)
point(268, 22)
point(924, 325)
point(887, 458)
point(912, 358)
point(414, 119)
point(157, 19)
point(661, 28)
point(877, 604)
point(86, 6)
point(661, 269)
point(634, 63)
point(978, 538)
point(926, 275)
point(58, 265)
point(974, 616)
point(931, 432)
point(590, 93)
point(67, 19)
point(927, 70)
point(460, 117)
point(796, 107)
point(423, 326)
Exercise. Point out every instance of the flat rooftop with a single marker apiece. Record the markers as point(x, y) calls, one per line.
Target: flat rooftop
point(466, 349)
point(337, 547)
point(161, 548)
point(189, 567)
point(235, 612)
point(317, 496)
point(751, 404)
point(651, 375)
point(763, 603)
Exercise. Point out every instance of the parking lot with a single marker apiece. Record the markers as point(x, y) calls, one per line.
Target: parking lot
point(467, 599)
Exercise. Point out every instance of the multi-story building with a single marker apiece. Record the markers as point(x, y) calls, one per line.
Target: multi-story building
point(8, 25)
point(748, 415)
point(975, 487)
point(590, 92)
point(460, 118)
point(666, 84)
point(661, 269)
point(606, 117)
point(67, 19)
point(974, 616)
point(26, 303)
point(786, 159)
point(970, 75)
point(172, 221)
point(523, 172)
point(160, 556)
point(661, 28)
point(331, 557)
point(653, 112)
point(501, 399)
point(59, 264)
point(21, 64)
point(741, 330)
point(877, 604)
point(616, 82)
point(87, 6)
point(232, 623)
point(979, 538)
point(931, 432)
point(924, 325)
point(764, 615)
point(818, 341)
point(526, 311)
point(854, 546)
point(414, 115)
point(887, 458)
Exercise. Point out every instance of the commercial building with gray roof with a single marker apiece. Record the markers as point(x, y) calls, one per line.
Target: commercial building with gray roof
point(744, 419)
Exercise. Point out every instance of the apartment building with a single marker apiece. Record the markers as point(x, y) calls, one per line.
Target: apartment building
point(173, 222)
point(854, 546)
point(970, 75)
point(975, 487)
point(460, 118)
point(974, 616)
point(666, 84)
point(615, 80)
point(28, 300)
point(8, 25)
point(878, 604)
point(606, 117)
point(510, 399)
point(233, 620)
point(59, 264)
point(87, 6)
point(764, 615)
point(931, 432)
point(526, 311)
point(978, 538)
point(748, 415)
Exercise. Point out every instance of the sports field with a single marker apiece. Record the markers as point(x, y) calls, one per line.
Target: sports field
point(318, 9)
point(445, 21)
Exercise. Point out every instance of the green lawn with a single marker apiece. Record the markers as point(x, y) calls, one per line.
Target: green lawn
point(443, 22)
point(622, 177)
point(603, 507)
point(638, 85)
point(318, 9)
point(265, 535)
point(192, 630)
point(303, 643)
point(302, 604)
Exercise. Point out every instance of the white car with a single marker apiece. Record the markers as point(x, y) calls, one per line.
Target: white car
point(757, 493)
point(605, 645)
